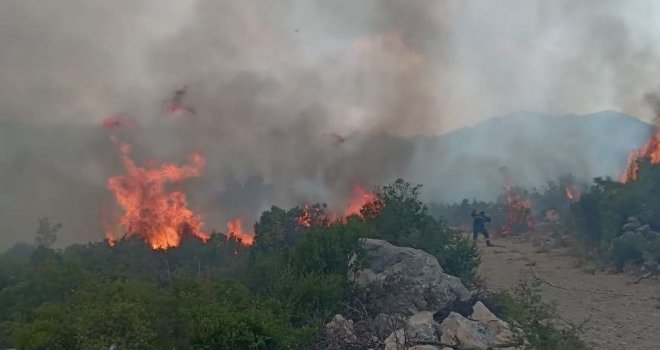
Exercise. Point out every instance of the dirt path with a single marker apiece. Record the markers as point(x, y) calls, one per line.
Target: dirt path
point(621, 315)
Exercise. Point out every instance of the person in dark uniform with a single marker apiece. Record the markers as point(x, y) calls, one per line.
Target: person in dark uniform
point(479, 226)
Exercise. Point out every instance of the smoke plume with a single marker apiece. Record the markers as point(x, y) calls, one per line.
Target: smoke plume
point(290, 101)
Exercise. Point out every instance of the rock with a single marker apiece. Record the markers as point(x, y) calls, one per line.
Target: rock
point(425, 347)
point(501, 329)
point(396, 340)
point(405, 280)
point(422, 328)
point(385, 324)
point(484, 332)
point(459, 331)
point(339, 332)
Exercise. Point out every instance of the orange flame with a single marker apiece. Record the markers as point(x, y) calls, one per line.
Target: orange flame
point(518, 212)
point(158, 217)
point(650, 151)
point(359, 198)
point(317, 215)
point(235, 229)
point(572, 193)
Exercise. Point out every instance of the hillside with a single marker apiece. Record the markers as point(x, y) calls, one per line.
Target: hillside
point(535, 147)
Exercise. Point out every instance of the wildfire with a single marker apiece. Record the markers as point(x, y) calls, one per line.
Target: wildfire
point(235, 229)
point(572, 193)
point(158, 216)
point(650, 151)
point(518, 217)
point(315, 215)
point(359, 198)
point(318, 215)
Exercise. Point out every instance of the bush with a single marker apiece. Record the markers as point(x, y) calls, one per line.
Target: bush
point(403, 219)
point(599, 216)
point(461, 258)
point(540, 328)
point(262, 325)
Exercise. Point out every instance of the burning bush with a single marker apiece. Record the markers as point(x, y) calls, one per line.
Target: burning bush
point(619, 221)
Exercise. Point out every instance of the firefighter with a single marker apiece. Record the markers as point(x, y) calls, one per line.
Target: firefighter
point(479, 226)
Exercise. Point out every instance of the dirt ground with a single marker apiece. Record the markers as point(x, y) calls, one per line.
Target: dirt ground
point(621, 315)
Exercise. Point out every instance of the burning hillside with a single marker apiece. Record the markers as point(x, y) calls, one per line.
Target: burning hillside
point(150, 211)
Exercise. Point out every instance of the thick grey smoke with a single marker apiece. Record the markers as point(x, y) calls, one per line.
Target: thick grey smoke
point(294, 100)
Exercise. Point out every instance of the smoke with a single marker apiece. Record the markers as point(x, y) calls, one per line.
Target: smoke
point(273, 84)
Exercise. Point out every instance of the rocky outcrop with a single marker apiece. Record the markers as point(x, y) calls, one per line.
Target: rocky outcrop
point(481, 331)
point(403, 280)
point(415, 304)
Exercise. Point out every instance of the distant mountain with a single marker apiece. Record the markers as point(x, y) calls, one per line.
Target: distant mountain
point(535, 147)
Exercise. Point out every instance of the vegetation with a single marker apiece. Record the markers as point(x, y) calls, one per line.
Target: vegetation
point(404, 220)
point(539, 326)
point(618, 222)
point(214, 295)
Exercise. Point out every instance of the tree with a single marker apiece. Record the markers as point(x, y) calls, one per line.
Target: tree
point(46, 233)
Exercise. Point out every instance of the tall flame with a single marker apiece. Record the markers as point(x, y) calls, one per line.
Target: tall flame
point(158, 216)
point(235, 229)
point(650, 151)
point(359, 198)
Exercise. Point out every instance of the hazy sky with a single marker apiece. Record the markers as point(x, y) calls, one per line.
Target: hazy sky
point(272, 81)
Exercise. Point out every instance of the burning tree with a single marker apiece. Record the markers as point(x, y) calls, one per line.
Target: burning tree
point(518, 212)
point(519, 209)
point(235, 229)
point(158, 216)
point(650, 151)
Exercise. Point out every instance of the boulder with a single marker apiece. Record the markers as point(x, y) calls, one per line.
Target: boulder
point(396, 340)
point(501, 329)
point(460, 332)
point(420, 330)
point(485, 332)
point(339, 332)
point(385, 324)
point(405, 280)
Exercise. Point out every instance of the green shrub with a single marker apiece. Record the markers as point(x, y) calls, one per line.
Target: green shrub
point(540, 328)
point(262, 325)
point(461, 258)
